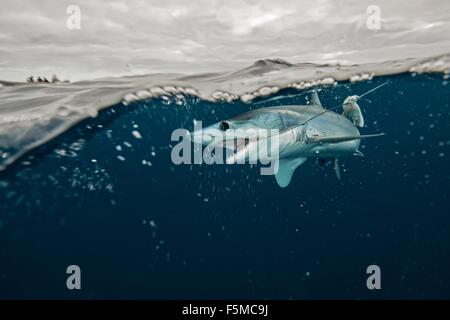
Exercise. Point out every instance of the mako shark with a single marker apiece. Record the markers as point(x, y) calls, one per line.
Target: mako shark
point(305, 132)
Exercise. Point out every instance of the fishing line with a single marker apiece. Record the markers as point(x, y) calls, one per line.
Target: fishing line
point(328, 110)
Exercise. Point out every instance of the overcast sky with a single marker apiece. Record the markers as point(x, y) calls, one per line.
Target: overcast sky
point(146, 36)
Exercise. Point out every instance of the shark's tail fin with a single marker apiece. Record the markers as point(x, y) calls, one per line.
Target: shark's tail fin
point(353, 111)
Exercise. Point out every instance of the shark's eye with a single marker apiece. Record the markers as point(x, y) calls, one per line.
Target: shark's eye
point(224, 126)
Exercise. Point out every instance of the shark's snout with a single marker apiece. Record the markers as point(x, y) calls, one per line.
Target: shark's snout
point(201, 137)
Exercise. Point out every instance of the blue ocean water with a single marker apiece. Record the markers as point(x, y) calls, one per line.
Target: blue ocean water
point(141, 227)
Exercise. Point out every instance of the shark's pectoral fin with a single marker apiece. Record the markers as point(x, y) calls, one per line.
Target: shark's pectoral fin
point(286, 168)
point(337, 169)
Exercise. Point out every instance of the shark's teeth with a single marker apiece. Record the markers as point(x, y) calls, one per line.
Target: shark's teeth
point(240, 156)
point(230, 160)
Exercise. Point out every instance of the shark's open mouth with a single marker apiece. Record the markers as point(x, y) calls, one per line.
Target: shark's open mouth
point(242, 148)
point(235, 144)
point(240, 142)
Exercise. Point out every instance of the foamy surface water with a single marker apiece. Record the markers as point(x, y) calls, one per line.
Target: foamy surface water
point(32, 114)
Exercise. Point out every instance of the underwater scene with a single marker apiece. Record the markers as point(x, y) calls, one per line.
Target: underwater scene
point(106, 196)
point(211, 151)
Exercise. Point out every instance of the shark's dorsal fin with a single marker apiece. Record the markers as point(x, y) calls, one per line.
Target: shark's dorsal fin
point(286, 168)
point(315, 99)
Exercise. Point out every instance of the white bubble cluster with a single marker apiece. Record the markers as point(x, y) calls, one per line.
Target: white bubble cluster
point(361, 77)
point(439, 64)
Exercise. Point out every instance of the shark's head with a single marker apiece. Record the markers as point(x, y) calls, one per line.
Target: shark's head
point(249, 126)
point(244, 134)
point(218, 132)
